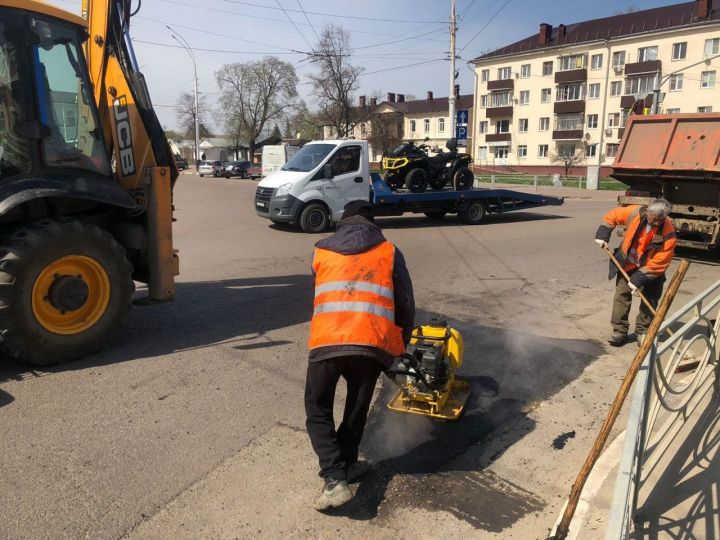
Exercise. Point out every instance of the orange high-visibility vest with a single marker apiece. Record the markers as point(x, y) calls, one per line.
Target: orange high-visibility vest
point(651, 250)
point(355, 300)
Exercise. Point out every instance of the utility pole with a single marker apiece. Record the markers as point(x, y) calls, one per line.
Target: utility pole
point(451, 96)
point(177, 37)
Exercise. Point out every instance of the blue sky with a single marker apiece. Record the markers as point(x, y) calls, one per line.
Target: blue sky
point(250, 29)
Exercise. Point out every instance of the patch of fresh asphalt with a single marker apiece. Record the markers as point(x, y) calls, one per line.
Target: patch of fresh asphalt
point(94, 447)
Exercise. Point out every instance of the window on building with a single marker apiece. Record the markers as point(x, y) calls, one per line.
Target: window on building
point(544, 123)
point(523, 125)
point(483, 101)
point(570, 92)
point(592, 121)
point(676, 82)
point(712, 47)
point(611, 149)
point(485, 75)
point(363, 130)
point(624, 115)
point(501, 152)
point(441, 125)
point(566, 149)
point(613, 119)
point(618, 59)
point(412, 126)
point(547, 68)
point(524, 97)
point(679, 50)
point(707, 79)
point(643, 84)
point(647, 53)
point(672, 111)
point(591, 150)
point(542, 150)
point(500, 99)
point(483, 126)
point(504, 73)
point(615, 88)
point(525, 71)
point(575, 61)
point(594, 91)
point(426, 125)
point(482, 152)
point(705, 108)
point(545, 95)
point(502, 126)
point(596, 61)
point(569, 122)
point(522, 151)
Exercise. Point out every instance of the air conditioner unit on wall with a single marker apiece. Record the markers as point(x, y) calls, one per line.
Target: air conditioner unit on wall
point(608, 132)
point(618, 70)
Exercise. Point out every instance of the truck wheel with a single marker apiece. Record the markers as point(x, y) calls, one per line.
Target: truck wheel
point(417, 180)
point(463, 179)
point(314, 218)
point(436, 215)
point(65, 287)
point(473, 213)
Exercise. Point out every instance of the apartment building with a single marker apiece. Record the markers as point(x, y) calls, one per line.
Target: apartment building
point(411, 119)
point(568, 91)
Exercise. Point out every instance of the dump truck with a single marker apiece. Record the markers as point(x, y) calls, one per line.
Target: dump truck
point(86, 179)
point(677, 157)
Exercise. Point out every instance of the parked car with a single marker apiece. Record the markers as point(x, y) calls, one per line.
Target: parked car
point(237, 168)
point(255, 170)
point(215, 168)
point(180, 162)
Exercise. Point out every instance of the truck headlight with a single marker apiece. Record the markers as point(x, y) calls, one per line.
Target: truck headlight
point(284, 189)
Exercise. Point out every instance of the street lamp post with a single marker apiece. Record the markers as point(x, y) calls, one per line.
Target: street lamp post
point(666, 78)
point(177, 37)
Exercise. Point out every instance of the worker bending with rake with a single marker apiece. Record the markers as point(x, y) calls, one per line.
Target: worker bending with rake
point(644, 255)
point(363, 318)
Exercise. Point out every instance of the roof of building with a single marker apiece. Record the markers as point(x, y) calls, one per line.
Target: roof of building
point(420, 106)
point(617, 26)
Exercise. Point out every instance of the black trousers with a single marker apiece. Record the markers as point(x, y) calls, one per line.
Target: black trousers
point(338, 449)
point(622, 302)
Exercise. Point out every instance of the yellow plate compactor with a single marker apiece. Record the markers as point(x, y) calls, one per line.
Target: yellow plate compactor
point(426, 373)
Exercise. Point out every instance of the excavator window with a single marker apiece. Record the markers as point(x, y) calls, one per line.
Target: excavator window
point(14, 149)
point(64, 100)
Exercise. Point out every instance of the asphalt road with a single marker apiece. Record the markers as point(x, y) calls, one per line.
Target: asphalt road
point(98, 446)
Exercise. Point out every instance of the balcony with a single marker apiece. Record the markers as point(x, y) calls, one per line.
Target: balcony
point(626, 102)
point(498, 112)
point(497, 137)
point(503, 84)
point(572, 75)
point(563, 107)
point(638, 68)
point(567, 134)
point(621, 132)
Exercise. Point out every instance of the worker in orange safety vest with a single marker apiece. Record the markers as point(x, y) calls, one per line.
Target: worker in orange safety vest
point(645, 253)
point(363, 317)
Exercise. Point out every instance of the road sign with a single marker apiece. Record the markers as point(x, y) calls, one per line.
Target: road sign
point(462, 117)
point(461, 133)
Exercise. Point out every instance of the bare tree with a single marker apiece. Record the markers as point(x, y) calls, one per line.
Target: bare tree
point(185, 112)
point(568, 159)
point(386, 131)
point(254, 94)
point(336, 79)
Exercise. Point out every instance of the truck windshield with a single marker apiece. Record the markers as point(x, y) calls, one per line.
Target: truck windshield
point(309, 157)
point(14, 150)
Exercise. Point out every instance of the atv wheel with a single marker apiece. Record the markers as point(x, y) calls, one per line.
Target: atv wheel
point(438, 183)
point(463, 179)
point(473, 213)
point(314, 218)
point(65, 287)
point(417, 180)
point(436, 215)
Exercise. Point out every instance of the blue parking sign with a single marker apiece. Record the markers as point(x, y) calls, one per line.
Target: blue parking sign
point(462, 117)
point(461, 133)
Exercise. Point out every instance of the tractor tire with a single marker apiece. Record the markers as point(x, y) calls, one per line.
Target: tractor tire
point(474, 213)
point(463, 179)
point(436, 216)
point(417, 180)
point(314, 218)
point(65, 287)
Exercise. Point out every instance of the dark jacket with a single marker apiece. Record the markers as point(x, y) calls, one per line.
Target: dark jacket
point(357, 235)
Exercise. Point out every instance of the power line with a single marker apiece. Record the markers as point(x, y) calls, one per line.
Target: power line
point(398, 40)
point(213, 50)
point(294, 25)
point(465, 11)
point(403, 67)
point(486, 24)
point(337, 16)
point(308, 20)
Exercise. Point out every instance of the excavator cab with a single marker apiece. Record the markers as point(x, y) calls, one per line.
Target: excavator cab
point(86, 180)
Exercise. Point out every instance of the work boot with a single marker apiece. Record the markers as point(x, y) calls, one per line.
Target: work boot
point(617, 339)
point(357, 470)
point(335, 493)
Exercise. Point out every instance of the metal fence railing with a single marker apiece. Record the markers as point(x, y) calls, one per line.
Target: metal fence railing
point(664, 400)
point(545, 181)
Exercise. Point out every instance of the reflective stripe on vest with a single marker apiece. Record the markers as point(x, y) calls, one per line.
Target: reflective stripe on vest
point(355, 300)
